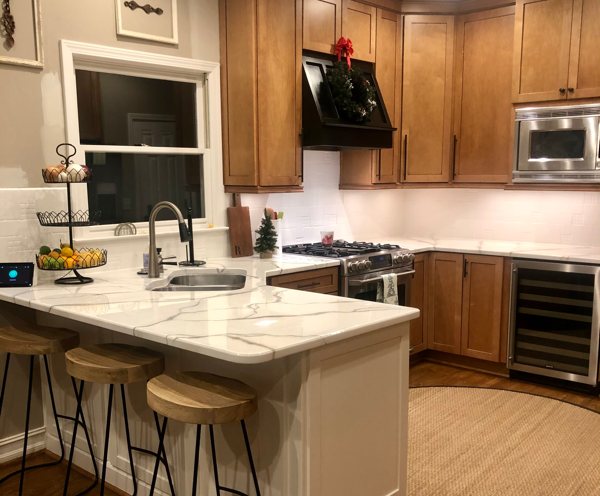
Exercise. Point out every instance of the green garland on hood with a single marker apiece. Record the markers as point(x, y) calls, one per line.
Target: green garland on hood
point(353, 94)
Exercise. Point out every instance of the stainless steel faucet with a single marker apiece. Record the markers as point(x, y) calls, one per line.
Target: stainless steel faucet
point(153, 258)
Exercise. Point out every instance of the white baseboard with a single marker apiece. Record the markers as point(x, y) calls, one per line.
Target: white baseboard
point(11, 448)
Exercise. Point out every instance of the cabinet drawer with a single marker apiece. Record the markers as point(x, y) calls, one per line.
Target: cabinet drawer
point(317, 281)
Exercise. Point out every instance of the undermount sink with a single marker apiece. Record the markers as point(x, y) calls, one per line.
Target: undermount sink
point(201, 280)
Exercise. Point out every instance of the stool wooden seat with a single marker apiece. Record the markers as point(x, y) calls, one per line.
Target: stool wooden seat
point(114, 363)
point(200, 398)
point(36, 340)
point(21, 335)
point(203, 399)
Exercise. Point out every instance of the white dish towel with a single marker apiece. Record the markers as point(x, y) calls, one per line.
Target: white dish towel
point(387, 289)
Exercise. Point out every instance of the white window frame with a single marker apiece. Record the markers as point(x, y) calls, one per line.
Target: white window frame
point(206, 76)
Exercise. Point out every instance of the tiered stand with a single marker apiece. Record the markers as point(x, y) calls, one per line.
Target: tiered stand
point(83, 258)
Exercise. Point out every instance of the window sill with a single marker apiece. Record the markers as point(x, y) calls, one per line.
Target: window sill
point(109, 235)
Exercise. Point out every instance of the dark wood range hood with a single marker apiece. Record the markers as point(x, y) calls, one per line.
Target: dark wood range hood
point(322, 127)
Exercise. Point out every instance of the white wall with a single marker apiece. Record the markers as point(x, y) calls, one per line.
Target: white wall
point(568, 217)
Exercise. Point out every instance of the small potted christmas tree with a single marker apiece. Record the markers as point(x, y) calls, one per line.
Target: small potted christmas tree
point(266, 241)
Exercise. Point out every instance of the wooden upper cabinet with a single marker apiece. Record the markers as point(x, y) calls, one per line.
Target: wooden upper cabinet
point(445, 302)
point(367, 169)
point(556, 56)
point(482, 307)
point(427, 97)
point(261, 54)
point(359, 23)
point(482, 148)
point(322, 24)
point(584, 66)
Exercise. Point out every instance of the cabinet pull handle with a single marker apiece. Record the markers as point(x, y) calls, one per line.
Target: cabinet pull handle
point(308, 285)
point(405, 154)
point(379, 166)
point(562, 91)
point(454, 157)
point(465, 269)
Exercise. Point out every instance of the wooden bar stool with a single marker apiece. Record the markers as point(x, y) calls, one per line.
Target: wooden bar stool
point(115, 363)
point(21, 336)
point(200, 398)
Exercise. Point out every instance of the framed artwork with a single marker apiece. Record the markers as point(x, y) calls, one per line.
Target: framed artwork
point(154, 20)
point(21, 33)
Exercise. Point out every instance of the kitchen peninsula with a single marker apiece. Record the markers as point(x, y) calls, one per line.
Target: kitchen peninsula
point(331, 374)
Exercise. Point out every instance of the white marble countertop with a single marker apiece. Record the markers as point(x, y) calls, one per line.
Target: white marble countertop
point(522, 249)
point(255, 324)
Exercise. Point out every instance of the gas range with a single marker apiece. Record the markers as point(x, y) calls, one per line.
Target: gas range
point(358, 258)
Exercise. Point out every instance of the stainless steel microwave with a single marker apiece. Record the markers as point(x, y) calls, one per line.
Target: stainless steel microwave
point(557, 144)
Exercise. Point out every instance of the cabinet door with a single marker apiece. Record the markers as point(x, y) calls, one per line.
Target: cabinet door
point(370, 169)
point(483, 96)
point(279, 92)
point(584, 66)
point(321, 25)
point(359, 23)
point(445, 302)
point(238, 94)
point(388, 69)
point(482, 307)
point(427, 97)
point(418, 299)
point(542, 40)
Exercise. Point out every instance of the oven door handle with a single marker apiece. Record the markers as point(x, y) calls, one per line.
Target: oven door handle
point(359, 282)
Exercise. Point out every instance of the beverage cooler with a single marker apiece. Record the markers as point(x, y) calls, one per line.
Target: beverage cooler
point(554, 320)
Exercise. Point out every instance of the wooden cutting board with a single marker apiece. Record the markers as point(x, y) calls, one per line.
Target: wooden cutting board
point(240, 233)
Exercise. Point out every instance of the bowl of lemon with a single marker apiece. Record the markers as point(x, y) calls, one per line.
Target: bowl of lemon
point(68, 258)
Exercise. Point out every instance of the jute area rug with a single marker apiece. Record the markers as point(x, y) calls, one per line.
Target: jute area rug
point(488, 442)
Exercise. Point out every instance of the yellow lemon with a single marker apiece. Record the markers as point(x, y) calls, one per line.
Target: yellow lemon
point(69, 263)
point(66, 251)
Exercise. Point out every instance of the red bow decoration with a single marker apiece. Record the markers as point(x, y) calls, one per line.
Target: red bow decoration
point(343, 48)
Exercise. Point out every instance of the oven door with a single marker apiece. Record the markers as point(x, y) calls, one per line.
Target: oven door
point(364, 287)
point(558, 144)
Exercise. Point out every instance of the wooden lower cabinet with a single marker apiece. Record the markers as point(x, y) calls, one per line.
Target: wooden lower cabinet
point(318, 281)
point(465, 305)
point(418, 299)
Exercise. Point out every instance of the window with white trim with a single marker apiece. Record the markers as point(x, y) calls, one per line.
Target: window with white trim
point(140, 121)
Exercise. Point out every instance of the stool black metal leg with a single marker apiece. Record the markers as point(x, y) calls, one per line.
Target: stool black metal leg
point(196, 459)
point(4, 380)
point(53, 403)
point(161, 447)
point(162, 455)
point(106, 439)
point(249, 450)
point(128, 437)
point(214, 458)
point(79, 413)
point(78, 396)
point(26, 425)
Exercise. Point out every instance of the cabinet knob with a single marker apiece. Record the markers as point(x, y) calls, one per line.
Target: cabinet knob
point(571, 90)
point(562, 91)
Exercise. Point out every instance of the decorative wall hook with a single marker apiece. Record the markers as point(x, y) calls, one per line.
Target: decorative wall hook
point(133, 5)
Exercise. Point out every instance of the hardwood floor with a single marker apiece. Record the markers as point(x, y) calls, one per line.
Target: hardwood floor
point(434, 374)
point(46, 481)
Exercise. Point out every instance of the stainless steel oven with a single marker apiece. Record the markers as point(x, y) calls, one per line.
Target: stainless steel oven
point(363, 264)
point(364, 286)
point(557, 144)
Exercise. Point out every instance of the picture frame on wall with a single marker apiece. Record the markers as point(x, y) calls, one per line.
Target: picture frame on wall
point(23, 46)
point(154, 20)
